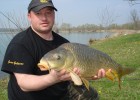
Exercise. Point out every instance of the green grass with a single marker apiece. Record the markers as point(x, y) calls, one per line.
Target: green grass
point(3, 89)
point(126, 51)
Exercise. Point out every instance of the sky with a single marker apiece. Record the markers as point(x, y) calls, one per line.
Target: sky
point(75, 12)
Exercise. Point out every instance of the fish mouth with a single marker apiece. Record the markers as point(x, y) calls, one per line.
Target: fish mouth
point(43, 65)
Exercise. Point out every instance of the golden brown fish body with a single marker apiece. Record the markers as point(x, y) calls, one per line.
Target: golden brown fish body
point(87, 59)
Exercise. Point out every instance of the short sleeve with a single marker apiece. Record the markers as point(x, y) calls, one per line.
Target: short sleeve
point(18, 59)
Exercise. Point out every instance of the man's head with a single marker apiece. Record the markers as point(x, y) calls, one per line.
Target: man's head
point(41, 15)
point(36, 5)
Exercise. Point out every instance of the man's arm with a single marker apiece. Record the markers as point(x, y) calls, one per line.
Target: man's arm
point(28, 82)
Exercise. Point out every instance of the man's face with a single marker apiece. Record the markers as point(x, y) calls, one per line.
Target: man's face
point(43, 20)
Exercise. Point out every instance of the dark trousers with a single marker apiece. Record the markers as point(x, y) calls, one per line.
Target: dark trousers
point(80, 93)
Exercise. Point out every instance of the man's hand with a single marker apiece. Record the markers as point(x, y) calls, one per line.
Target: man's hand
point(59, 76)
point(100, 74)
point(63, 75)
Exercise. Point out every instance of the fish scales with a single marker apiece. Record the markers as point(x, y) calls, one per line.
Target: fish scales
point(87, 59)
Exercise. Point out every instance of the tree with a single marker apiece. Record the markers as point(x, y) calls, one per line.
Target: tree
point(107, 17)
point(65, 27)
point(135, 19)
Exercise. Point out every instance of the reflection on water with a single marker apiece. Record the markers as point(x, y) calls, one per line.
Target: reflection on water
point(4, 41)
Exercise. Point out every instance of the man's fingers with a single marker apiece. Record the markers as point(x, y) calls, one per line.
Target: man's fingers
point(77, 71)
point(101, 73)
point(62, 72)
point(95, 77)
point(65, 77)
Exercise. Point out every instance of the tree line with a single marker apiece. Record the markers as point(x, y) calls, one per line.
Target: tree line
point(107, 23)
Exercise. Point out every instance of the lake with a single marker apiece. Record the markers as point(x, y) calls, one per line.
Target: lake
point(82, 38)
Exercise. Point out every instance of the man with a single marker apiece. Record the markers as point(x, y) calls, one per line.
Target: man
point(27, 81)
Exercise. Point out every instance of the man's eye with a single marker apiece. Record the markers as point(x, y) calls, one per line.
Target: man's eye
point(48, 13)
point(38, 13)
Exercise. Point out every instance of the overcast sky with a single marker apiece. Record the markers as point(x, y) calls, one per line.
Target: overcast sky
point(76, 12)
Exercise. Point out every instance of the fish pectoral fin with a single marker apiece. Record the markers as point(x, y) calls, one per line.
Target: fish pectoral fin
point(75, 78)
point(86, 83)
point(110, 75)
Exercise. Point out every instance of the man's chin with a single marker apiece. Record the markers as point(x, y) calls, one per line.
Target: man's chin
point(45, 28)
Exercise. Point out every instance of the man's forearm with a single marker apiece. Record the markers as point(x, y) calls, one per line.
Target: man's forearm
point(29, 82)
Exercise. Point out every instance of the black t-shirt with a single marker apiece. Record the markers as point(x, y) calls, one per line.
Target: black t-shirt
point(22, 56)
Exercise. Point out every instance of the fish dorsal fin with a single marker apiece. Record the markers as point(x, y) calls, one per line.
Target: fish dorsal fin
point(75, 78)
point(86, 83)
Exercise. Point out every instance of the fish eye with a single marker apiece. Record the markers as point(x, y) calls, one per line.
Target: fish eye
point(57, 57)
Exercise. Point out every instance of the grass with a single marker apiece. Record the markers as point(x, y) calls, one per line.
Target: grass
point(123, 49)
point(3, 89)
point(126, 51)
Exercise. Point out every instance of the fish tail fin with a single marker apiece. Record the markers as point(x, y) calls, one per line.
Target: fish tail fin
point(119, 81)
point(124, 71)
point(113, 74)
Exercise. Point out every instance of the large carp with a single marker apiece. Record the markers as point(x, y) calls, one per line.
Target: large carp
point(87, 59)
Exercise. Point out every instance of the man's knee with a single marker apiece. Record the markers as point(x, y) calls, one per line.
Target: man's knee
point(81, 93)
